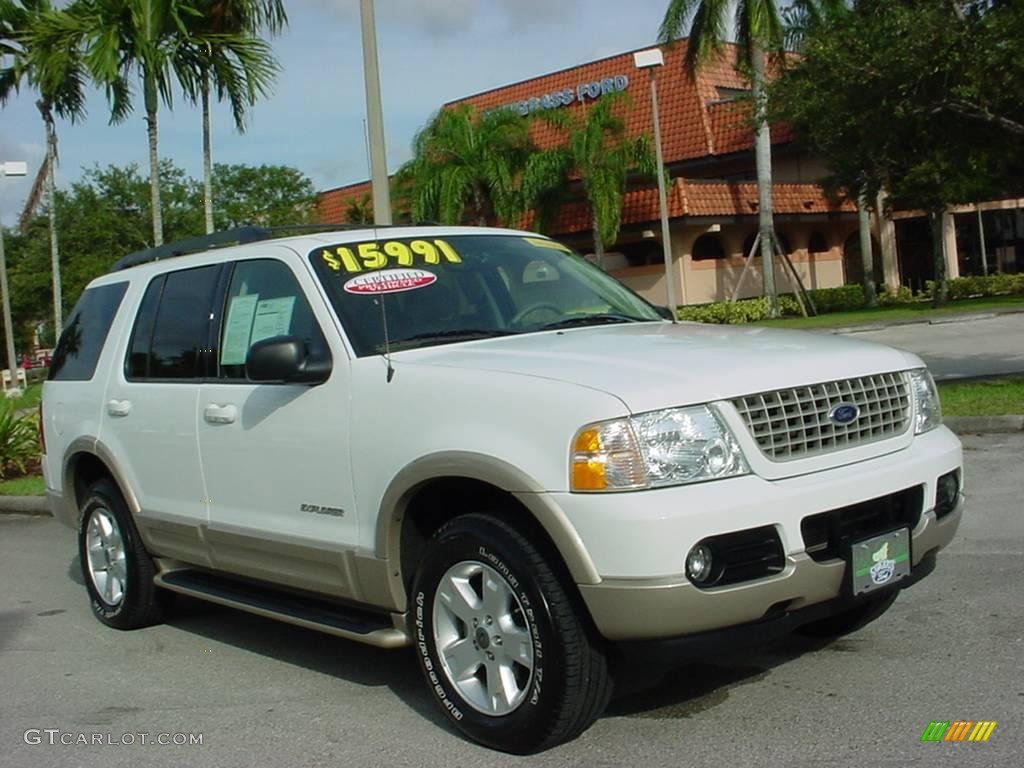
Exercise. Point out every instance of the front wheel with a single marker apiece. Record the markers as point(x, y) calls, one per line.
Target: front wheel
point(504, 649)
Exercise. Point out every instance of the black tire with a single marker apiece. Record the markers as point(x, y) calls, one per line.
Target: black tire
point(569, 685)
point(139, 603)
point(850, 620)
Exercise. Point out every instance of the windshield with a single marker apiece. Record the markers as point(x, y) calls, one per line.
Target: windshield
point(438, 290)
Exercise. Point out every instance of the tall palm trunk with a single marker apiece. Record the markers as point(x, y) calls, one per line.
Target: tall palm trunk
point(598, 245)
point(207, 157)
point(152, 105)
point(51, 204)
point(939, 256)
point(763, 160)
point(866, 255)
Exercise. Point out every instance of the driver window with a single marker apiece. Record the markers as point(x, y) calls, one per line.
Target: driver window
point(264, 300)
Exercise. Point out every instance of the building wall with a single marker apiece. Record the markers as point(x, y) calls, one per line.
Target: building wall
point(704, 281)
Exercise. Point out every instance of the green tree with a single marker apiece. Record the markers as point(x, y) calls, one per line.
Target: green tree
point(935, 117)
point(598, 152)
point(240, 74)
point(266, 195)
point(104, 216)
point(802, 19)
point(58, 76)
point(468, 166)
point(759, 31)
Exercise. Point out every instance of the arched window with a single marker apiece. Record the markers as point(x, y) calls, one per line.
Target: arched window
point(817, 243)
point(708, 247)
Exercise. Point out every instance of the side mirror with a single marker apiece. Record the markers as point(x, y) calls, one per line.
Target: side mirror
point(665, 312)
point(284, 359)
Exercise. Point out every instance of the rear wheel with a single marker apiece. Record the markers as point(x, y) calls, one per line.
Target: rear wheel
point(507, 654)
point(118, 571)
point(850, 620)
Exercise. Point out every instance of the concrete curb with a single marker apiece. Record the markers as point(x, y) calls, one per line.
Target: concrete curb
point(967, 317)
point(24, 505)
point(964, 425)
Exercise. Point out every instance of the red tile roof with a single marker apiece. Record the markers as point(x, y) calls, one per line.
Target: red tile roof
point(697, 119)
point(700, 118)
point(705, 198)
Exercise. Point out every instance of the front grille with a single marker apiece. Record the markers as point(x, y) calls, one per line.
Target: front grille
point(827, 534)
point(795, 423)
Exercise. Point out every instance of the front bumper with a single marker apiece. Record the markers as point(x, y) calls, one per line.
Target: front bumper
point(639, 541)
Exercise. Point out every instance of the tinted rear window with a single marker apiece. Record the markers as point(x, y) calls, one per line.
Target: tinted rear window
point(85, 333)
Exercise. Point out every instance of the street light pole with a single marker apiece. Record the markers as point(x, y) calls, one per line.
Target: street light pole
point(650, 60)
point(8, 169)
point(375, 118)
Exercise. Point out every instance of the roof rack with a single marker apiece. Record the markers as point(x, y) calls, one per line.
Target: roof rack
point(236, 236)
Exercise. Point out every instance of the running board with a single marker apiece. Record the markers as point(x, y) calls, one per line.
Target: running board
point(342, 621)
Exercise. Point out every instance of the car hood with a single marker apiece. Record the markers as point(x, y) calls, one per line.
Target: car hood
point(657, 365)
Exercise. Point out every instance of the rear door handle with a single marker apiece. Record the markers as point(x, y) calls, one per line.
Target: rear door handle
point(220, 414)
point(119, 407)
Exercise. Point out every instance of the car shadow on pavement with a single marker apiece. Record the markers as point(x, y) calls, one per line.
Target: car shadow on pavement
point(671, 691)
point(311, 650)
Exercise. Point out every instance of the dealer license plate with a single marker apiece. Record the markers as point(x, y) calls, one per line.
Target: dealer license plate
point(880, 561)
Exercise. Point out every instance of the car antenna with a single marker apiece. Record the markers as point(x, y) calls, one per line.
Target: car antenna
point(384, 321)
point(387, 340)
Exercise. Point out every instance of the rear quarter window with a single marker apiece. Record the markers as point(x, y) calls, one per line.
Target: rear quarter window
point(86, 332)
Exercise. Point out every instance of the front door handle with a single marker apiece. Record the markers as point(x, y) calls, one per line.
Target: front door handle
point(220, 414)
point(119, 407)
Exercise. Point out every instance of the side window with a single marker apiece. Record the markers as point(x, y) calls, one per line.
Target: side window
point(172, 328)
point(86, 332)
point(264, 300)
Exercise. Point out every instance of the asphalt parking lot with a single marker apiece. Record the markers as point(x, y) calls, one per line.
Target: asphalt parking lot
point(263, 693)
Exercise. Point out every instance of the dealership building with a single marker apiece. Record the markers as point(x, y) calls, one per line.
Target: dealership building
point(707, 141)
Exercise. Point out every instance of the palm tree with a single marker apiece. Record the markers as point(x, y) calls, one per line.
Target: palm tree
point(151, 40)
point(58, 76)
point(239, 79)
point(359, 210)
point(758, 29)
point(598, 152)
point(468, 166)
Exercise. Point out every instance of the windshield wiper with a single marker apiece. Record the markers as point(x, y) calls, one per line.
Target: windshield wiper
point(599, 319)
point(460, 334)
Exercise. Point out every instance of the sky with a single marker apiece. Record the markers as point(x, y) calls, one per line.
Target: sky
point(430, 51)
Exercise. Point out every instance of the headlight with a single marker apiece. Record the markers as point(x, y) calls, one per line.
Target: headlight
point(927, 411)
point(670, 447)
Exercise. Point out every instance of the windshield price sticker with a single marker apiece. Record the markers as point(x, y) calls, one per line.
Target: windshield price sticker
point(378, 255)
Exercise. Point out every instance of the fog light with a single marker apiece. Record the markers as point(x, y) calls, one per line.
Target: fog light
point(947, 489)
point(698, 564)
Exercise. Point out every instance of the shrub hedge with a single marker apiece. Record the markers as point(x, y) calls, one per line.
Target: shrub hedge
point(846, 298)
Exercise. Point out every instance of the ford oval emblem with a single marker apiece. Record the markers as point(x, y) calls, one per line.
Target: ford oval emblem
point(844, 413)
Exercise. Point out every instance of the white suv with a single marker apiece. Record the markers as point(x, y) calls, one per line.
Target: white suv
point(474, 443)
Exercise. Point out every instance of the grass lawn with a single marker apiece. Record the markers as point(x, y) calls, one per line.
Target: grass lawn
point(994, 397)
point(30, 397)
point(30, 485)
point(921, 311)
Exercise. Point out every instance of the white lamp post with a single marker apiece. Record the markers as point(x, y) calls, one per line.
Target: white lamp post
point(375, 119)
point(650, 60)
point(9, 169)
